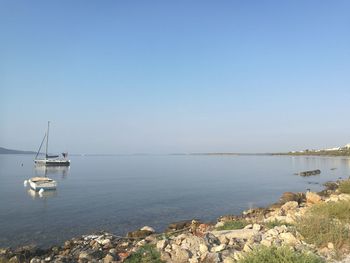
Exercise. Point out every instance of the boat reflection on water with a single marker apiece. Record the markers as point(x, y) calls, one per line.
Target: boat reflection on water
point(44, 171)
point(42, 195)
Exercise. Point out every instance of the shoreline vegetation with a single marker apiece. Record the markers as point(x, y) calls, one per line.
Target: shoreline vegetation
point(300, 227)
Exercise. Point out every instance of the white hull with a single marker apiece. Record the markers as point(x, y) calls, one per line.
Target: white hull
point(44, 183)
point(52, 162)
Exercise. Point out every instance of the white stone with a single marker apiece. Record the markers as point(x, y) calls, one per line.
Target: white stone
point(218, 248)
point(247, 248)
point(272, 232)
point(148, 228)
point(256, 227)
point(289, 238)
point(330, 245)
point(266, 243)
point(193, 260)
point(161, 244)
point(203, 248)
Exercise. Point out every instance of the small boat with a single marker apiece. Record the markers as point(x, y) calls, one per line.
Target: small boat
point(44, 183)
point(53, 160)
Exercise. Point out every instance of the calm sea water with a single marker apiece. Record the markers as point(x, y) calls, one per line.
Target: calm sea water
point(122, 193)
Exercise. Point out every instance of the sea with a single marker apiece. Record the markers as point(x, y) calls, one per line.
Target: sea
point(121, 193)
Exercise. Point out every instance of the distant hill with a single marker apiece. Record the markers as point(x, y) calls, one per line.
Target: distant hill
point(10, 151)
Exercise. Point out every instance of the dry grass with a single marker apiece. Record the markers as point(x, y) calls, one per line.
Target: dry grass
point(279, 255)
point(327, 222)
point(344, 187)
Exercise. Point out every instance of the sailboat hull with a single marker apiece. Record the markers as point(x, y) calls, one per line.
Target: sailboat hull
point(57, 162)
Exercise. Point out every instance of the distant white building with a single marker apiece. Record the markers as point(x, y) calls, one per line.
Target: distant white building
point(347, 146)
point(333, 149)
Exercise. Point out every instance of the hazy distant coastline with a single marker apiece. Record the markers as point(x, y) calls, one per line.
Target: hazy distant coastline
point(339, 151)
point(11, 151)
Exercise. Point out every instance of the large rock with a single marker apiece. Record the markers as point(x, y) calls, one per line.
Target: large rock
point(289, 239)
point(179, 255)
point(179, 225)
point(161, 244)
point(290, 206)
point(238, 233)
point(312, 198)
point(190, 242)
point(139, 234)
point(289, 196)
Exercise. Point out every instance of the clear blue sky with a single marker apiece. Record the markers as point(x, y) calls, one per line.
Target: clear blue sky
point(175, 76)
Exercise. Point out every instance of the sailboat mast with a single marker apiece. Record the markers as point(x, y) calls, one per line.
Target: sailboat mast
point(47, 137)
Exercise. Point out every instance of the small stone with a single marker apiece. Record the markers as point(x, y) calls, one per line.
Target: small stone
point(250, 226)
point(84, 255)
point(281, 229)
point(35, 260)
point(330, 245)
point(108, 258)
point(218, 248)
point(272, 232)
point(113, 251)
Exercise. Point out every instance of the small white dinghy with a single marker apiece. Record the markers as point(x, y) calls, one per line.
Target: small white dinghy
point(45, 183)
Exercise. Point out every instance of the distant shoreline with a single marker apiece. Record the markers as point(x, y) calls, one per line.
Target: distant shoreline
point(335, 153)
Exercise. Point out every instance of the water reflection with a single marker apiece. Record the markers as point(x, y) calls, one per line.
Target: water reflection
point(62, 171)
point(44, 195)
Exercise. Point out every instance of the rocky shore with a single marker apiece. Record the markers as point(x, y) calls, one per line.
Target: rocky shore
point(228, 240)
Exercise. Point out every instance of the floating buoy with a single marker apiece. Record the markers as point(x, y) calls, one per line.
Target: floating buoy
point(25, 183)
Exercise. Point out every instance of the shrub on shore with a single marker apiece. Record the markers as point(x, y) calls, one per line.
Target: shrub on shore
point(145, 254)
point(232, 225)
point(327, 222)
point(279, 255)
point(344, 187)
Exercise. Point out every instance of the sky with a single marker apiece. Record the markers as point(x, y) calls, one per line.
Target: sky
point(175, 76)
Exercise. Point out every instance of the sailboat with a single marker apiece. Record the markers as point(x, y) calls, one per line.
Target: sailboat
point(51, 160)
